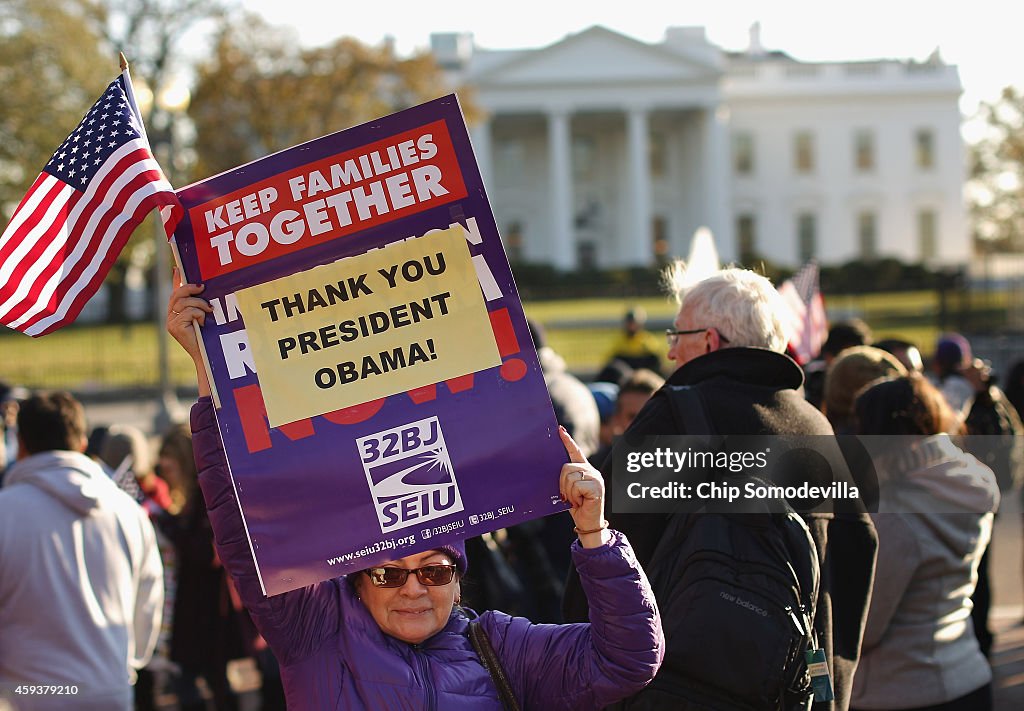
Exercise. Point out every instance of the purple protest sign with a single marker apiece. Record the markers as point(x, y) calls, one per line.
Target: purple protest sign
point(394, 474)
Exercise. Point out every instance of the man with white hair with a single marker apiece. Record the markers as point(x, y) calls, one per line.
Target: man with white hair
point(729, 340)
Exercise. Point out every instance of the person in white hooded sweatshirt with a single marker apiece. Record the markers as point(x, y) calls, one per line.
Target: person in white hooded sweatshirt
point(81, 583)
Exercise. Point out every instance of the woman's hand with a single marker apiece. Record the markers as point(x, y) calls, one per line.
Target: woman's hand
point(582, 486)
point(183, 308)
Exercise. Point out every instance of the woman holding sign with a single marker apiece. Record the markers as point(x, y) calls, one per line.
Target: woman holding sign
point(394, 636)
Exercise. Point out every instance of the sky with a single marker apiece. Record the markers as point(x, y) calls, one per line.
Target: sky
point(982, 37)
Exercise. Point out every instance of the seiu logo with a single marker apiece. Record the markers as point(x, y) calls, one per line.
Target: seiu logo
point(410, 474)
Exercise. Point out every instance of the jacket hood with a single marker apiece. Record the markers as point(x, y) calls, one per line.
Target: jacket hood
point(773, 369)
point(950, 475)
point(70, 477)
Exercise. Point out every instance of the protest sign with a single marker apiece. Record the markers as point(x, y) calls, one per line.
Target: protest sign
point(379, 393)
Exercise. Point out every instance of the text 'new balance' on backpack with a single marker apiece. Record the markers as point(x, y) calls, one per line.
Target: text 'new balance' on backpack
point(736, 593)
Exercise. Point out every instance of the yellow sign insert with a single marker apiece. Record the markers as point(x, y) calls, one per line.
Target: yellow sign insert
point(393, 319)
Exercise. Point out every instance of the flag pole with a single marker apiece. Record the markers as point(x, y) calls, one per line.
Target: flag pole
point(166, 413)
point(173, 244)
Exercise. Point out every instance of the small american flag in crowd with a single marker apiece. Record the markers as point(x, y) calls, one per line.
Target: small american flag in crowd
point(79, 213)
point(808, 326)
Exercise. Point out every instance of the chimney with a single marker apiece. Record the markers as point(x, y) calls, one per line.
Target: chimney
point(452, 50)
point(755, 49)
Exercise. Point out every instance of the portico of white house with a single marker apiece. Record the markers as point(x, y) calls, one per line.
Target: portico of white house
point(603, 187)
point(600, 151)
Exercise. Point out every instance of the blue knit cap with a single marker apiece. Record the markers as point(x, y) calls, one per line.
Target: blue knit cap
point(605, 395)
point(953, 351)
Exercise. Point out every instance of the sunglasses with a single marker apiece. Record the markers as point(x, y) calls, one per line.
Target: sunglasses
point(429, 575)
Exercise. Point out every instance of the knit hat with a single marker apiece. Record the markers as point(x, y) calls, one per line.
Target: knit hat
point(953, 351)
point(457, 552)
point(605, 395)
point(851, 371)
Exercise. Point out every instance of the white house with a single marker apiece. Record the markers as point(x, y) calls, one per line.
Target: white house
point(603, 150)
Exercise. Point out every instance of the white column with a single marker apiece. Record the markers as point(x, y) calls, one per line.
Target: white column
point(715, 212)
point(638, 247)
point(562, 251)
point(481, 138)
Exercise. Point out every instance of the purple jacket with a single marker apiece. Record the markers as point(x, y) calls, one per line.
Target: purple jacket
point(334, 656)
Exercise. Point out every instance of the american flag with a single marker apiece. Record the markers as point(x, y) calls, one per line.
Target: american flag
point(79, 213)
point(808, 324)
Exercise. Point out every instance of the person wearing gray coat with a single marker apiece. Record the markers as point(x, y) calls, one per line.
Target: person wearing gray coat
point(934, 523)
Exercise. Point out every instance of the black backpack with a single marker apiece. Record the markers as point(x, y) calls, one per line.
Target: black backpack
point(737, 595)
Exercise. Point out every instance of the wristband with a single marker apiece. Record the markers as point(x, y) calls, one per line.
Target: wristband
point(604, 525)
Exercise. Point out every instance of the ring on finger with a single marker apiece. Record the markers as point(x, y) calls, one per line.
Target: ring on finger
point(176, 313)
point(582, 475)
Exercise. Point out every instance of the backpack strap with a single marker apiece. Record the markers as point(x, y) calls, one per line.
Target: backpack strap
point(482, 644)
point(691, 415)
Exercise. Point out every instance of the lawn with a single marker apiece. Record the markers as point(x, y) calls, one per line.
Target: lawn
point(571, 329)
point(90, 358)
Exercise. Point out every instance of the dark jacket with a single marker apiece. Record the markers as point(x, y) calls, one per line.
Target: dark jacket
point(333, 655)
point(757, 392)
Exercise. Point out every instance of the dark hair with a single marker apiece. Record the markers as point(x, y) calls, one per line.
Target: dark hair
point(615, 371)
point(1014, 386)
point(893, 345)
point(643, 381)
point(846, 334)
point(536, 334)
point(177, 444)
point(907, 405)
point(51, 421)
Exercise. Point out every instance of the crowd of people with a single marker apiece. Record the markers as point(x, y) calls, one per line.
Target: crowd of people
point(125, 571)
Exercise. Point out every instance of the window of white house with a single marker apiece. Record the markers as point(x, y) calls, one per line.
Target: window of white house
point(743, 152)
point(803, 152)
point(657, 149)
point(659, 230)
point(510, 161)
point(867, 235)
point(513, 239)
point(807, 236)
point(584, 157)
point(586, 255)
point(864, 150)
point(924, 148)
point(927, 234)
point(746, 239)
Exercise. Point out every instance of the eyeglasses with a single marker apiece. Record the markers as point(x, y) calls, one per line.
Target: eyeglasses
point(671, 334)
point(429, 575)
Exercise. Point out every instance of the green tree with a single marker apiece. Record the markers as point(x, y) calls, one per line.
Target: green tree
point(997, 176)
point(151, 34)
point(260, 92)
point(56, 56)
point(52, 68)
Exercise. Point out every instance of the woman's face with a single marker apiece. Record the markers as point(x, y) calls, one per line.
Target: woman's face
point(413, 612)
